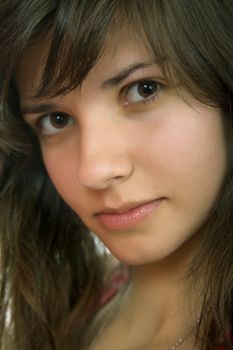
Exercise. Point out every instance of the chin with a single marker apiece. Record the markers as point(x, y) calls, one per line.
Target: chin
point(133, 258)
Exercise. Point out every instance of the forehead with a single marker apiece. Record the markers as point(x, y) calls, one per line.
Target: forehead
point(120, 48)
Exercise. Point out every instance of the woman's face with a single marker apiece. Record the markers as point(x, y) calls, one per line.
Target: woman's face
point(141, 167)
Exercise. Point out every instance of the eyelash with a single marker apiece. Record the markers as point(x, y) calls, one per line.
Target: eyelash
point(145, 83)
point(152, 85)
point(48, 117)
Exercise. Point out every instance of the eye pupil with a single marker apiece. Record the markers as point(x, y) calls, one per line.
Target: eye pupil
point(59, 120)
point(147, 88)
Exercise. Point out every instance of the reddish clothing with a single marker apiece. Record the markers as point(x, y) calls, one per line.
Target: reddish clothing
point(223, 348)
point(117, 282)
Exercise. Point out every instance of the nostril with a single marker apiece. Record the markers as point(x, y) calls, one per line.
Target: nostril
point(98, 174)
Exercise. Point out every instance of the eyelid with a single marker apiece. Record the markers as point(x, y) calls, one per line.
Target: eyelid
point(161, 81)
point(36, 124)
point(156, 78)
point(125, 90)
point(33, 118)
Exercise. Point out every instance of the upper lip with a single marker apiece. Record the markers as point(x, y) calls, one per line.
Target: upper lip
point(124, 208)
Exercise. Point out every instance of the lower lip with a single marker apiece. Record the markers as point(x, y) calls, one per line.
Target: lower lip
point(130, 218)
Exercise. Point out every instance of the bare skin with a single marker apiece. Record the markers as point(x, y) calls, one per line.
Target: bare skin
point(118, 147)
point(156, 310)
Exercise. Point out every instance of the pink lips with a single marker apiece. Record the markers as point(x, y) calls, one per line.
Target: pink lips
point(116, 220)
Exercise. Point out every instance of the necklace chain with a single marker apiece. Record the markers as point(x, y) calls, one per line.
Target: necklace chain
point(182, 339)
point(177, 344)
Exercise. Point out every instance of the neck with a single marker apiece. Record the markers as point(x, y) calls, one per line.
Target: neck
point(163, 296)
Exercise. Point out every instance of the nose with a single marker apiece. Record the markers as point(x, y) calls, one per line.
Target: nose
point(103, 158)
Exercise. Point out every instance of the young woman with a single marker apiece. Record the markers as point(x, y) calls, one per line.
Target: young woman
point(116, 118)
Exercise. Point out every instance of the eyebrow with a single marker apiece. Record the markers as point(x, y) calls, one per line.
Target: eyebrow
point(115, 80)
point(41, 108)
point(125, 73)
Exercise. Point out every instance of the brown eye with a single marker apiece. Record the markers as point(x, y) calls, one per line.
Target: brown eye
point(54, 123)
point(147, 88)
point(59, 120)
point(143, 91)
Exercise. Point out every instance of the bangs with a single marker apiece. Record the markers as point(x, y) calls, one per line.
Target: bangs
point(77, 31)
point(77, 41)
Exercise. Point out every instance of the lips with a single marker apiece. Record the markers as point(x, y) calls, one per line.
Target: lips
point(128, 215)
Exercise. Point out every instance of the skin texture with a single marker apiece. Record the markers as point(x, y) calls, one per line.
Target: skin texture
point(115, 149)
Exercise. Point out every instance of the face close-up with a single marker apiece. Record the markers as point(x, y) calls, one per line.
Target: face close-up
point(141, 164)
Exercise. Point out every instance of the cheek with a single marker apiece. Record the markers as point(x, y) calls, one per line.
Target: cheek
point(62, 170)
point(186, 153)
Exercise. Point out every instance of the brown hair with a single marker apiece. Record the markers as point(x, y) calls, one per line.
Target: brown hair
point(52, 275)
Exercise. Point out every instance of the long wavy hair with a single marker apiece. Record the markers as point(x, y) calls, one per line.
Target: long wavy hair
point(52, 276)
